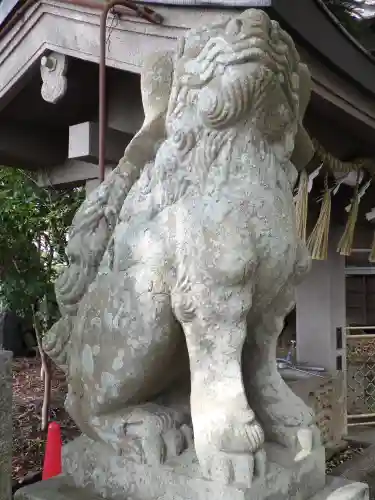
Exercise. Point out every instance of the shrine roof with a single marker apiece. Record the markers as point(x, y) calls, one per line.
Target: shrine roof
point(309, 22)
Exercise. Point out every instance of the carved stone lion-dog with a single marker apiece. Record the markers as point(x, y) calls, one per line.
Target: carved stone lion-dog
point(183, 262)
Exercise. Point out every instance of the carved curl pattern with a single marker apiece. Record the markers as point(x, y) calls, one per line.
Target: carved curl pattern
point(209, 71)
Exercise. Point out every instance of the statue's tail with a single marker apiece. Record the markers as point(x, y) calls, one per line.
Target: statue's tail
point(89, 236)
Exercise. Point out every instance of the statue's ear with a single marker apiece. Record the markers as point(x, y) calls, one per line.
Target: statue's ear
point(156, 84)
point(303, 147)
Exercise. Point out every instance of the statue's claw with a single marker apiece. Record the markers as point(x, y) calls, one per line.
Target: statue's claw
point(237, 456)
point(239, 468)
point(160, 432)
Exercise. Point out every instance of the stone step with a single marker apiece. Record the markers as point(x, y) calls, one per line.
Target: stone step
point(338, 488)
point(60, 488)
point(57, 488)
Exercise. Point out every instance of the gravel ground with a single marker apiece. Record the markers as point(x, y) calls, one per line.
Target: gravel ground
point(28, 440)
point(342, 457)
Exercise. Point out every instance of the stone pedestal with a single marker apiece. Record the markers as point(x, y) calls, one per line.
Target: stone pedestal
point(92, 466)
point(5, 425)
point(93, 472)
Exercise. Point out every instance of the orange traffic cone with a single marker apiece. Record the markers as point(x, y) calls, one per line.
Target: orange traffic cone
point(52, 457)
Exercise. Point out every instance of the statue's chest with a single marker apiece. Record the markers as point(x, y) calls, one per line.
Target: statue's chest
point(143, 240)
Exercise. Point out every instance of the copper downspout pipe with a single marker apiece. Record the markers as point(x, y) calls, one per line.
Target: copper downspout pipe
point(119, 7)
point(141, 11)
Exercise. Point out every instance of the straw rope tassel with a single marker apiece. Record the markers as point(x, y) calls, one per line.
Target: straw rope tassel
point(346, 242)
point(301, 205)
point(318, 240)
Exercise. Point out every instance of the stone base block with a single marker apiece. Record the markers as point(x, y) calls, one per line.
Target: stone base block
point(92, 472)
point(93, 466)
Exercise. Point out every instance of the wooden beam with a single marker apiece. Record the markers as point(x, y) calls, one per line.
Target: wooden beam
point(69, 173)
point(84, 143)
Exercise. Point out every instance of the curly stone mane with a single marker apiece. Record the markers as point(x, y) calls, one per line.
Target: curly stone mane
point(202, 63)
point(210, 84)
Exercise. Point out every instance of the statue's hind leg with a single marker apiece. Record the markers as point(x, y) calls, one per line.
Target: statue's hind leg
point(284, 416)
point(127, 350)
point(150, 432)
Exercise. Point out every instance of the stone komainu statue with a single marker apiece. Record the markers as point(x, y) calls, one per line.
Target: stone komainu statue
point(183, 262)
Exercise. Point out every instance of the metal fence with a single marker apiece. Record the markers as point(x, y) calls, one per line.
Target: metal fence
point(360, 362)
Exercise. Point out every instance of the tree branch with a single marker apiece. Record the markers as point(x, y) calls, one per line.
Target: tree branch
point(45, 373)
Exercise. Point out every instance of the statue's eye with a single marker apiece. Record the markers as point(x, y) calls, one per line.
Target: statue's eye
point(234, 27)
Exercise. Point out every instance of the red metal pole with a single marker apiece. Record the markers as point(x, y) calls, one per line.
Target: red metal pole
point(141, 11)
point(119, 7)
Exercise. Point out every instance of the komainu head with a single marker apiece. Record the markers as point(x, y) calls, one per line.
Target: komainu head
point(241, 73)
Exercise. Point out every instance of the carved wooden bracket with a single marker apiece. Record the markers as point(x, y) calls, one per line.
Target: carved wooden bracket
point(53, 71)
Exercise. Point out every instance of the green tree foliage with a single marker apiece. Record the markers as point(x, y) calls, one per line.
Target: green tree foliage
point(33, 232)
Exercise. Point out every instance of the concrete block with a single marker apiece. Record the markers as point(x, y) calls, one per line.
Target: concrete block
point(5, 425)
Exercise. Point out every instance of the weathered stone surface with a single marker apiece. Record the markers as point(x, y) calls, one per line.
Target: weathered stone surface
point(192, 239)
point(5, 425)
point(182, 269)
